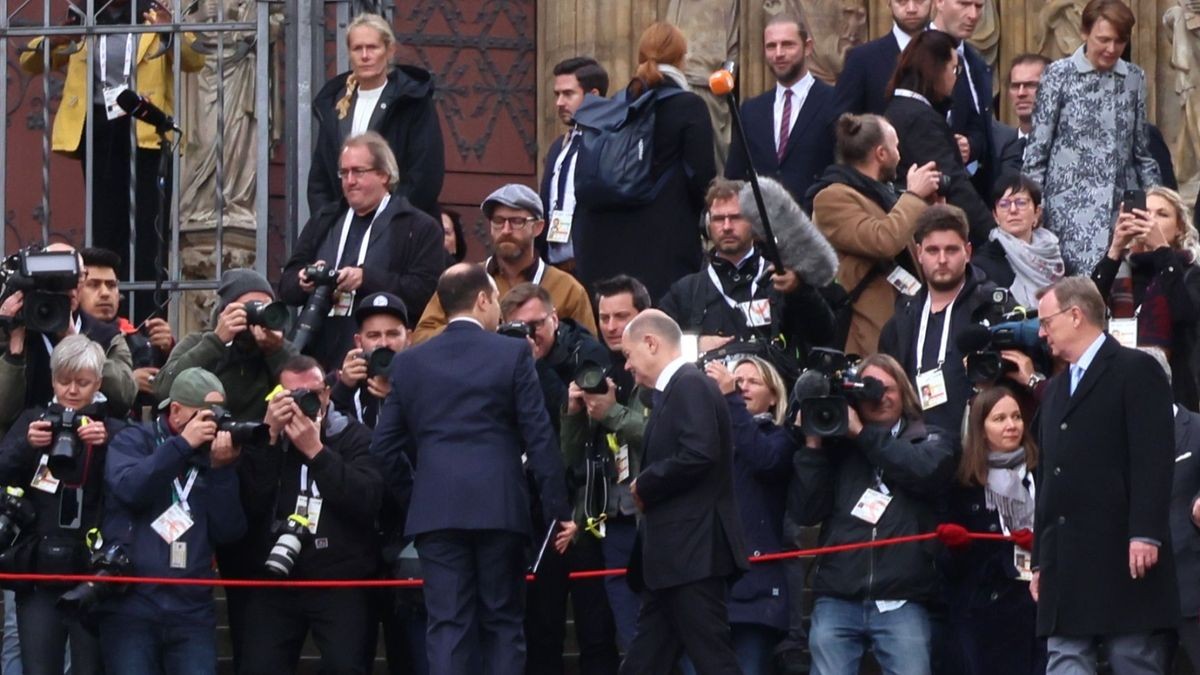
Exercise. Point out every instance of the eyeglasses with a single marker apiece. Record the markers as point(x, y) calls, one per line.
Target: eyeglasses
point(1019, 202)
point(536, 324)
point(517, 224)
point(1044, 322)
point(355, 172)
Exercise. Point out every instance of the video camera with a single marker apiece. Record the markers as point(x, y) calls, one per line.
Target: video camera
point(325, 279)
point(46, 279)
point(105, 561)
point(982, 344)
point(825, 390)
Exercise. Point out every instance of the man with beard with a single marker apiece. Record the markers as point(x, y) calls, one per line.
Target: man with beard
point(869, 225)
point(514, 214)
point(787, 129)
point(920, 334)
point(862, 86)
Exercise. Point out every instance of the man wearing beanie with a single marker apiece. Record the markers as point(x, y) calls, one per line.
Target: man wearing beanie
point(246, 358)
point(172, 495)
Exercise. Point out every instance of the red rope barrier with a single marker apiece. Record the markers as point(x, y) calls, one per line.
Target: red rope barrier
point(948, 535)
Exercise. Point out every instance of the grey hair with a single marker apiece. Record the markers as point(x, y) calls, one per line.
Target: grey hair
point(1160, 357)
point(75, 354)
point(381, 155)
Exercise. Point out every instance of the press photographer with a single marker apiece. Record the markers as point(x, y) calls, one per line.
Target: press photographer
point(66, 503)
point(363, 383)
point(880, 480)
point(372, 240)
point(738, 296)
point(171, 496)
point(40, 307)
point(312, 494)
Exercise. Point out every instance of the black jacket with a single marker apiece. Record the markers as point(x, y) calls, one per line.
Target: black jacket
point(348, 476)
point(925, 137)
point(404, 256)
point(573, 346)
point(916, 467)
point(899, 340)
point(1185, 536)
point(406, 118)
point(993, 262)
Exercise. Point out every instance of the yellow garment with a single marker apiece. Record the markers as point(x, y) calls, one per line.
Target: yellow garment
point(153, 82)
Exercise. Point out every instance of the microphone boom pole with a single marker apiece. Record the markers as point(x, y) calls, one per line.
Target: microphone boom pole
point(721, 83)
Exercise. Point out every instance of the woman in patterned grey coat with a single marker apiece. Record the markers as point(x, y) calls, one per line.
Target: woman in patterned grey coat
point(1089, 141)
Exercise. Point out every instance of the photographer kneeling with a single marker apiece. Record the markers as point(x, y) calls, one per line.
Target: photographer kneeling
point(312, 493)
point(56, 456)
point(878, 481)
point(172, 494)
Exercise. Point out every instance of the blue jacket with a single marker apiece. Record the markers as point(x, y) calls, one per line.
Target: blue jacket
point(762, 466)
point(142, 462)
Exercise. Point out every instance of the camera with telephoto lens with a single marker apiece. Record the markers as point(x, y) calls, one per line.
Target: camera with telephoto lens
point(516, 329)
point(825, 391)
point(16, 514)
point(592, 377)
point(65, 448)
point(45, 279)
point(982, 343)
point(309, 322)
point(291, 535)
point(105, 561)
point(309, 402)
point(378, 361)
point(240, 433)
point(271, 315)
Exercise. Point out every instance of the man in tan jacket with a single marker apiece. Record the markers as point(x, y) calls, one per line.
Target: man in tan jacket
point(858, 211)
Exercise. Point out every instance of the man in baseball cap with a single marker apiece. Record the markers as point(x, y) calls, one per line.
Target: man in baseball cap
point(363, 381)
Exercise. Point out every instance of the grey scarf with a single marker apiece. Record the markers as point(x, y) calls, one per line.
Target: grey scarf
point(1036, 264)
point(1005, 492)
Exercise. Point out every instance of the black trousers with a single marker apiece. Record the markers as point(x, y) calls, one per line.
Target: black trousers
point(44, 631)
point(111, 203)
point(546, 613)
point(693, 619)
point(339, 618)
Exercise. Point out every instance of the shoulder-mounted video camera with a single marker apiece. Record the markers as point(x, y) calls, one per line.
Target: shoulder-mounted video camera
point(46, 279)
point(824, 392)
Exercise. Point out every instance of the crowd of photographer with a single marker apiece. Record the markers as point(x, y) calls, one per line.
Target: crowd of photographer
point(848, 363)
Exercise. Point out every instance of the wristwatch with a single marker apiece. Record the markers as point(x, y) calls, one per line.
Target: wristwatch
point(1036, 379)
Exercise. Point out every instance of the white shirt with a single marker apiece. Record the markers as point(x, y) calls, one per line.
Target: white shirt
point(364, 107)
point(902, 38)
point(664, 378)
point(799, 92)
point(470, 319)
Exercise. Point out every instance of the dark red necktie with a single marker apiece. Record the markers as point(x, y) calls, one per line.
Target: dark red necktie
point(785, 124)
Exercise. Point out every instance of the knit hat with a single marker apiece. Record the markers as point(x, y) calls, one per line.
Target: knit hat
point(191, 387)
point(238, 282)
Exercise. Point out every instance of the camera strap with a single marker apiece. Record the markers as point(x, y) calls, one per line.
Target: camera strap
point(181, 492)
point(925, 312)
point(307, 487)
point(77, 323)
point(362, 246)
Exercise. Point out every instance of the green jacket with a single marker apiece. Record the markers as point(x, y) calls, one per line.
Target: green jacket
point(626, 424)
point(248, 376)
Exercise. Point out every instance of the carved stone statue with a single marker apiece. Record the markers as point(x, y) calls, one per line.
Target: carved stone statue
point(712, 31)
point(1056, 32)
point(987, 39)
point(1183, 31)
point(836, 26)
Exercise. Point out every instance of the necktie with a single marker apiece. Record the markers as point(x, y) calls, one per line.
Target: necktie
point(1076, 376)
point(785, 123)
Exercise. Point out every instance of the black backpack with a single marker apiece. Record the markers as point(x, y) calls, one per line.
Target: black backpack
point(616, 149)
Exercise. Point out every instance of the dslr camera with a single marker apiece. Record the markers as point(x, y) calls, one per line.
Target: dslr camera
point(105, 561)
point(309, 322)
point(516, 329)
point(270, 315)
point(309, 402)
point(291, 535)
point(16, 514)
point(242, 433)
point(46, 278)
point(825, 391)
point(65, 447)
point(379, 360)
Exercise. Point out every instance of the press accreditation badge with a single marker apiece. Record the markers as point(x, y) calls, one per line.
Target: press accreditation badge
point(1125, 331)
point(560, 227)
point(179, 555)
point(172, 523)
point(343, 304)
point(931, 387)
point(621, 459)
point(310, 508)
point(111, 109)
point(1023, 562)
point(757, 312)
point(871, 505)
point(42, 478)
point(904, 282)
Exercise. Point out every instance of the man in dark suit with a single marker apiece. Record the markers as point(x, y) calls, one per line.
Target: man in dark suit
point(1101, 571)
point(971, 114)
point(789, 130)
point(690, 538)
point(573, 79)
point(452, 447)
point(1008, 143)
point(862, 86)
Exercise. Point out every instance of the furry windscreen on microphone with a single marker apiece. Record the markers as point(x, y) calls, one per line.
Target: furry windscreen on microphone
point(801, 245)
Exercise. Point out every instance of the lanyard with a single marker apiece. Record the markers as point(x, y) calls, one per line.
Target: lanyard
point(362, 247)
point(712, 274)
point(104, 58)
point(909, 93)
point(925, 325)
point(305, 484)
point(537, 274)
point(182, 491)
point(46, 340)
point(563, 169)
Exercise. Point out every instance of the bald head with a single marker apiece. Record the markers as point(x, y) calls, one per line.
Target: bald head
point(655, 322)
point(466, 289)
point(651, 341)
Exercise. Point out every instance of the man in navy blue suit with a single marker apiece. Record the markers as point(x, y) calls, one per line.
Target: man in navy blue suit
point(971, 114)
point(463, 408)
point(789, 129)
point(862, 86)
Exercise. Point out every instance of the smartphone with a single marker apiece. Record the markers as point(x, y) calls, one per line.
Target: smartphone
point(1133, 199)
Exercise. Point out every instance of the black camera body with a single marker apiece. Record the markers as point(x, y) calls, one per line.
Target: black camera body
point(592, 377)
point(321, 275)
point(314, 312)
point(826, 390)
point(291, 536)
point(379, 360)
point(65, 448)
point(105, 561)
point(309, 402)
point(46, 279)
point(516, 329)
point(241, 433)
point(982, 343)
point(270, 315)
point(16, 514)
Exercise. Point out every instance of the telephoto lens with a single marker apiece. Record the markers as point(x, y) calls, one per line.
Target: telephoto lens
point(290, 536)
point(591, 378)
point(272, 315)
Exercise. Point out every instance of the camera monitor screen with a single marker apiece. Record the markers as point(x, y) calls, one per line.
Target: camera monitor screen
point(51, 262)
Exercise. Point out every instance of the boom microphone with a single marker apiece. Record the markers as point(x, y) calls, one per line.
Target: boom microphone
point(138, 107)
